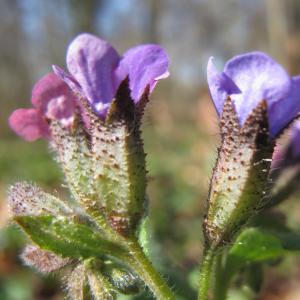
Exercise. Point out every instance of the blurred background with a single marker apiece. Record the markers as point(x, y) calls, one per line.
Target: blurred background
point(180, 127)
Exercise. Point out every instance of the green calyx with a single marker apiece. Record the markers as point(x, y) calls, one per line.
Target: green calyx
point(99, 286)
point(101, 280)
point(119, 161)
point(240, 178)
point(124, 281)
point(104, 161)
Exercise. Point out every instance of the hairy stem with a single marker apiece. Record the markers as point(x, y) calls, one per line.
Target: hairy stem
point(139, 262)
point(207, 271)
point(220, 288)
point(144, 268)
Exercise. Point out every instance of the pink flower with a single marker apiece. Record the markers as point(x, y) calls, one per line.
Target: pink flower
point(52, 99)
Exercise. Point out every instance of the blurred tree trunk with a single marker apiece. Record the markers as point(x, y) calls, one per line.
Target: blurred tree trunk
point(152, 31)
point(293, 9)
point(85, 14)
point(277, 29)
point(293, 42)
point(14, 72)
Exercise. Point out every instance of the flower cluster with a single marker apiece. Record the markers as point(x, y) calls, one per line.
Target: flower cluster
point(91, 117)
point(96, 72)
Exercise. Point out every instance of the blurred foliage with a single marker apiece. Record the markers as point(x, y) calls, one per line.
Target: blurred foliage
point(25, 161)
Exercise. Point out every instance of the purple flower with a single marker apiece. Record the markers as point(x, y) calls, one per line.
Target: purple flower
point(250, 78)
point(52, 99)
point(96, 70)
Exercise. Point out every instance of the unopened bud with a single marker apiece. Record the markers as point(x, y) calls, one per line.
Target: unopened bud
point(240, 176)
point(76, 283)
point(100, 287)
point(118, 161)
point(123, 280)
point(104, 162)
point(25, 199)
point(42, 260)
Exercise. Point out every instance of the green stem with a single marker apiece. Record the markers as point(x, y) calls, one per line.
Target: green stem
point(222, 279)
point(207, 271)
point(138, 261)
point(144, 268)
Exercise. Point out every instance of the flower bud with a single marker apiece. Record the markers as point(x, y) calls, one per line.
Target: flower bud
point(76, 283)
point(104, 161)
point(240, 177)
point(25, 199)
point(99, 286)
point(122, 280)
point(42, 260)
point(119, 162)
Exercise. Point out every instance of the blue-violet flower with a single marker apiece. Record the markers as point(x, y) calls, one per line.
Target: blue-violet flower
point(250, 78)
point(96, 70)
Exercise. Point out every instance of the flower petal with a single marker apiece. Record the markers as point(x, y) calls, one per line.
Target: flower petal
point(220, 86)
point(74, 85)
point(29, 124)
point(284, 111)
point(92, 61)
point(61, 109)
point(68, 79)
point(295, 140)
point(52, 96)
point(145, 65)
point(259, 78)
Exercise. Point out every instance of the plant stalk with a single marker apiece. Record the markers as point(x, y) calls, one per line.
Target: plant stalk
point(144, 268)
point(138, 261)
point(207, 271)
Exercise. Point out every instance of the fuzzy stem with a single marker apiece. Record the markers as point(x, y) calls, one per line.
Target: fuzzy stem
point(144, 268)
point(222, 279)
point(207, 270)
point(138, 261)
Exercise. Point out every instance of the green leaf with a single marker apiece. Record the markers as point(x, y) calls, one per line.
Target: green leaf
point(254, 276)
point(290, 240)
point(66, 237)
point(254, 245)
point(275, 223)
